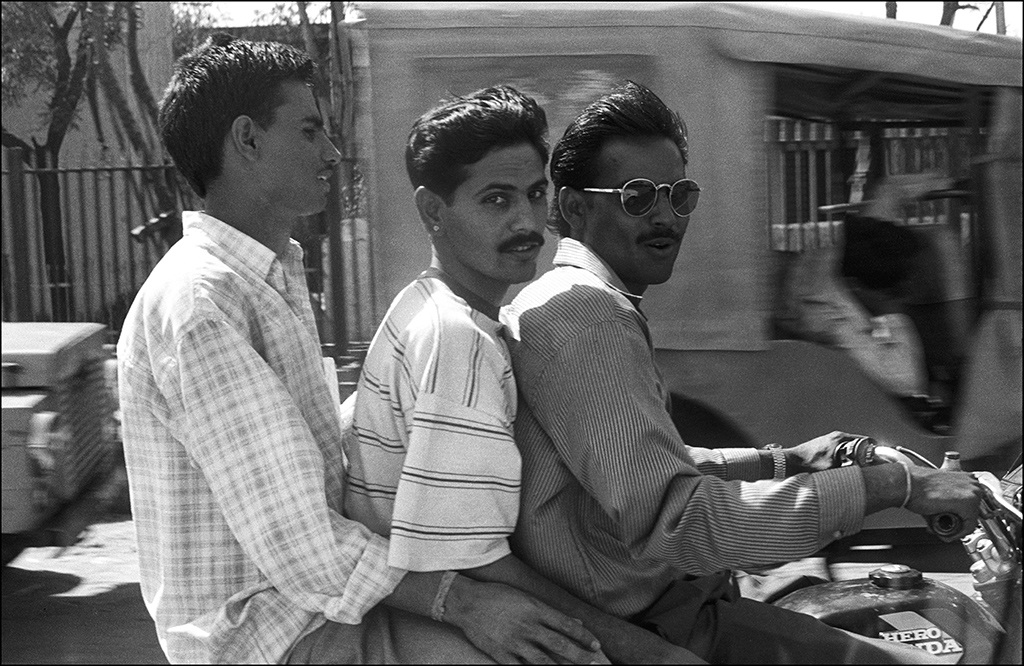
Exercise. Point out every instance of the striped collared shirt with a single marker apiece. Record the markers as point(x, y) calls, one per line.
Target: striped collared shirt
point(232, 445)
point(615, 506)
point(435, 465)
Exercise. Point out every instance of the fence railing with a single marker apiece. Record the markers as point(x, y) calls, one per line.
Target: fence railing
point(69, 253)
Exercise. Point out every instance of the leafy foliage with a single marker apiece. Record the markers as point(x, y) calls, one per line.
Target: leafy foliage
point(287, 13)
point(28, 61)
point(190, 20)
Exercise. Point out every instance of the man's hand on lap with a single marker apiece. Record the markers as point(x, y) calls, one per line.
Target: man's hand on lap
point(512, 627)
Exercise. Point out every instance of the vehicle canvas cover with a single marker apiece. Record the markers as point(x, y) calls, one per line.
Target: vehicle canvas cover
point(714, 63)
point(44, 354)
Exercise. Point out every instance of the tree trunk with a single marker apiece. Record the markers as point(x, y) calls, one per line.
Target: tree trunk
point(140, 86)
point(1000, 17)
point(57, 277)
point(70, 82)
point(70, 76)
point(307, 33)
point(124, 115)
point(949, 10)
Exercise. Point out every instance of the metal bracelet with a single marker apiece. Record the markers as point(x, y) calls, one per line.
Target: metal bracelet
point(778, 460)
point(437, 608)
point(906, 469)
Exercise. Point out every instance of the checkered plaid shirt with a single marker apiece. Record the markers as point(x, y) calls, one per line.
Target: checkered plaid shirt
point(235, 466)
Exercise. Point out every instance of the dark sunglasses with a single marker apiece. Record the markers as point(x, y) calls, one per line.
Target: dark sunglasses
point(640, 195)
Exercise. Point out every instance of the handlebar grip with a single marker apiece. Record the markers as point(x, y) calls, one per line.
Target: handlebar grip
point(945, 525)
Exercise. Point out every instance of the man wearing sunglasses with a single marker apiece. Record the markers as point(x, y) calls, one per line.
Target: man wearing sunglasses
point(615, 507)
point(433, 462)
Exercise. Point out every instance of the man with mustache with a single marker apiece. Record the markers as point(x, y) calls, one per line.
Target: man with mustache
point(615, 507)
point(434, 465)
point(231, 437)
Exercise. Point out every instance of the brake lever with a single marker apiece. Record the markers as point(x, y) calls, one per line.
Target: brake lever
point(995, 496)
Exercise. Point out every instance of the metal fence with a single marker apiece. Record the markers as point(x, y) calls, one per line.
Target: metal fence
point(77, 247)
point(68, 249)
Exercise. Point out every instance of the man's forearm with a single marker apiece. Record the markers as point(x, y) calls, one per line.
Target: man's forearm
point(885, 486)
point(415, 593)
point(622, 641)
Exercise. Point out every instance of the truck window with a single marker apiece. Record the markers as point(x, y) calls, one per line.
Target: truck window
point(900, 294)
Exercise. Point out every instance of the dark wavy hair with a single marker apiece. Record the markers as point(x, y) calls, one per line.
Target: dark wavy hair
point(213, 84)
point(630, 110)
point(462, 130)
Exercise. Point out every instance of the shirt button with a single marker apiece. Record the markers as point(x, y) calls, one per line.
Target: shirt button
point(837, 534)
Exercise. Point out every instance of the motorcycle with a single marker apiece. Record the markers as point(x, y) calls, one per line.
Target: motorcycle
point(898, 603)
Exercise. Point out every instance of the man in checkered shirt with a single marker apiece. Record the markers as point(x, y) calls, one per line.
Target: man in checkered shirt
point(232, 440)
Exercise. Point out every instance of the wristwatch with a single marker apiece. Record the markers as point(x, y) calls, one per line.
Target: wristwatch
point(778, 460)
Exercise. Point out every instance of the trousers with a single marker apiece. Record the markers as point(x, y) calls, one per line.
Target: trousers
point(386, 636)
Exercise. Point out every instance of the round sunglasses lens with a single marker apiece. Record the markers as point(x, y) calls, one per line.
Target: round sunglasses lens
point(684, 196)
point(638, 197)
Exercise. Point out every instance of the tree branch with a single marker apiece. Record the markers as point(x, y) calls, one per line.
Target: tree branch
point(68, 91)
point(987, 12)
point(11, 141)
point(69, 21)
point(112, 90)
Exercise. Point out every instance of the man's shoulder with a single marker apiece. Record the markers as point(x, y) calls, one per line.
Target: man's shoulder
point(565, 298)
point(190, 268)
point(189, 283)
point(427, 313)
point(429, 305)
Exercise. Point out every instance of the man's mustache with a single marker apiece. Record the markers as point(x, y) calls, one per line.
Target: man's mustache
point(521, 239)
point(656, 234)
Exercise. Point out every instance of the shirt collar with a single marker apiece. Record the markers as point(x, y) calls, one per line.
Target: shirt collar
point(237, 249)
point(571, 252)
point(474, 301)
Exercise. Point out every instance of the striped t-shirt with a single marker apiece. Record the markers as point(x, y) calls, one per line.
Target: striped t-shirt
point(434, 464)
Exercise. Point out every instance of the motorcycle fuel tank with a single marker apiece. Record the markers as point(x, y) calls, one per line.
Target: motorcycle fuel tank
point(897, 603)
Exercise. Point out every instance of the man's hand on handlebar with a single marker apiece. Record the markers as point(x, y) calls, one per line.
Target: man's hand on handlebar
point(936, 492)
point(949, 501)
point(817, 454)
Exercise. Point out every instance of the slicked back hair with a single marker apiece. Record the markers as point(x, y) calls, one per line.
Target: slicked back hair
point(463, 130)
point(215, 83)
point(630, 110)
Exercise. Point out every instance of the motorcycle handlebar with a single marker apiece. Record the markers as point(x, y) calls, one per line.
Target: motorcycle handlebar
point(945, 525)
point(865, 451)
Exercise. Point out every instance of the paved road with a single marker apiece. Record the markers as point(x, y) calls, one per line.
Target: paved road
point(79, 605)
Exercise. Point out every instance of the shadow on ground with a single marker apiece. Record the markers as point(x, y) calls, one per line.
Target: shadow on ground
point(42, 627)
point(78, 605)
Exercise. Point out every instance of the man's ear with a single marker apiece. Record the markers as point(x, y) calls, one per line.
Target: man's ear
point(573, 209)
point(430, 207)
point(244, 137)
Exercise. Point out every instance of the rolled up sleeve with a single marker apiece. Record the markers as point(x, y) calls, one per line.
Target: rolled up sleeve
point(245, 433)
